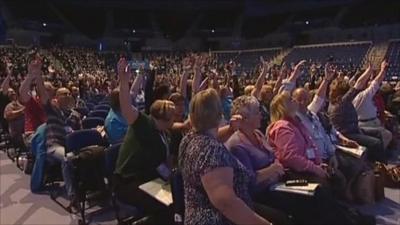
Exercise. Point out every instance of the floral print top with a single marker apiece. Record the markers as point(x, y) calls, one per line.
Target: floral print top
point(198, 155)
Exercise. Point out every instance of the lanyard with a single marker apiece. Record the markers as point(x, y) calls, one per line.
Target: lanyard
point(164, 139)
point(303, 131)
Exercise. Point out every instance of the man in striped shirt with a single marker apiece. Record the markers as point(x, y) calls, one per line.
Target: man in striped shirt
point(61, 120)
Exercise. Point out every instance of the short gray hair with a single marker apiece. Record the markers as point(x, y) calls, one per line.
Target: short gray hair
point(243, 105)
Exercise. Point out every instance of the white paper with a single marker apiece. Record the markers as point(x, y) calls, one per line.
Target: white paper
point(357, 152)
point(159, 190)
point(303, 190)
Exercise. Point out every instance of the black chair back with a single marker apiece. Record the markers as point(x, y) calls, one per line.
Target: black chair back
point(102, 107)
point(90, 105)
point(98, 113)
point(83, 111)
point(178, 196)
point(92, 122)
point(83, 138)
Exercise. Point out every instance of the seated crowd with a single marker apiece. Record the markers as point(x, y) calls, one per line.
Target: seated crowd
point(232, 137)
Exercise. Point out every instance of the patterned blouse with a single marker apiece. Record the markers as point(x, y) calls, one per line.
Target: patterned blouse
point(198, 155)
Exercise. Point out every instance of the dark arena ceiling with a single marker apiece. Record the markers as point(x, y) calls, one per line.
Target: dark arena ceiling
point(177, 18)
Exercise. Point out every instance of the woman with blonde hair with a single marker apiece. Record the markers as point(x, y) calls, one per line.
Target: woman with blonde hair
point(216, 185)
point(293, 144)
point(252, 149)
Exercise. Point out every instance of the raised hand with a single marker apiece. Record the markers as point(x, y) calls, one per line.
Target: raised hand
point(300, 65)
point(124, 71)
point(186, 64)
point(329, 71)
point(262, 60)
point(296, 71)
point(235, 122)
point(384, 65)
point(284, 71)
point(8, 67)
point(369, 65)
point(265, 64)
point(266, 67)
point(198, 61)
point(35, 67)
point(141, 70)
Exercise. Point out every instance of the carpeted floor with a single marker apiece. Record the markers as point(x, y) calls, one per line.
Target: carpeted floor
point(19, 206)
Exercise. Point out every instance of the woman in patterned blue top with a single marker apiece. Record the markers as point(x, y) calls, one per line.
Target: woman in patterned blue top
point(216, 185)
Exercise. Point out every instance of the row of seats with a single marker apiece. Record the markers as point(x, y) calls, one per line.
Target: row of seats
point(248, 60)
point(393, 57)
point(346, 56)
point(94, 115)
point(94, 164)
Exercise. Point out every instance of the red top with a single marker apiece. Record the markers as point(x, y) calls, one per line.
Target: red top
point(34, 115)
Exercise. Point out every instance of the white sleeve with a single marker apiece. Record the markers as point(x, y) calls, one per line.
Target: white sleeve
point(367, 94)
point(316, 105)
point(287, 86)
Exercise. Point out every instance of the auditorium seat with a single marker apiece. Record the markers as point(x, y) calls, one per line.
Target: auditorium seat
point(393, 57)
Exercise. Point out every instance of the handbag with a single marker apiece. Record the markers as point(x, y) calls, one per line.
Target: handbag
point(364, 188)
point(89, 168)
point(390, 176)
point(379, 187)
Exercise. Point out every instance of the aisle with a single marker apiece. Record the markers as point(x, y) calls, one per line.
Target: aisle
point(19, 206)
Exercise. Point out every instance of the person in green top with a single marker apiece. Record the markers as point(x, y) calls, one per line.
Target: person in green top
point(144, 154)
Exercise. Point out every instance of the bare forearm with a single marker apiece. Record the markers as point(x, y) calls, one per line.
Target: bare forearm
point(203, 85)
point(296, 72)
point(380, 76)
point(129, 112)
point(136, 85)
point(12, 115)
point(42, 90)
point(341, 137)
point(25, 89)
point(362, 80)
point(227, 80)
point(278, 85)
point(5, 85)
point(239, 213)
point(124, 98)
point(224, 133)
point(263, 176)
point(196, 80)
point(293, 76)
point(323, 87)
point(183, 83)
point(259, 83)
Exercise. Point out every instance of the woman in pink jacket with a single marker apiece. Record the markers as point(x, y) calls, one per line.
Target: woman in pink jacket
point(293, 145)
